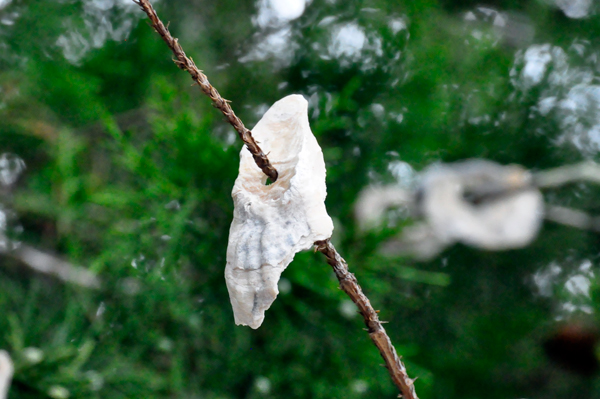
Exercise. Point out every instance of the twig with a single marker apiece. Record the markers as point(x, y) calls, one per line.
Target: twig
point(6, 373)
point(347, 280)
point(377, 333)
point(583, 171)
point(49, 264)
point(185, 63)
point(572, 217)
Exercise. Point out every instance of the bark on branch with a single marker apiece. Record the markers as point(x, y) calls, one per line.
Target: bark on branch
point(349, 285)
point(187, 64)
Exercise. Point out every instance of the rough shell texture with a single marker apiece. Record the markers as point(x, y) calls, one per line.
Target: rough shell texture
point(271, 223)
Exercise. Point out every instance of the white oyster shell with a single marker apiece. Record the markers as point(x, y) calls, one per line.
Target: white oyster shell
point(271, 223)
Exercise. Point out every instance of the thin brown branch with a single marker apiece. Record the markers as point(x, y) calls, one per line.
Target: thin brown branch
point(349, 285)
point(185, 63)
point(348, 281)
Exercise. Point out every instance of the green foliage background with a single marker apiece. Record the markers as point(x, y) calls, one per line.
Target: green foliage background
point(129, 173)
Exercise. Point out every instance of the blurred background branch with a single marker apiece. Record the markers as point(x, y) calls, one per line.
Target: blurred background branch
point(584, 171)
point(45, 263)
point(572, 217)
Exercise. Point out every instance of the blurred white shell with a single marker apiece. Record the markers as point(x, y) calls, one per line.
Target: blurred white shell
point(508, 215)
point(6, 373)
point(271, 223)
point(373, 201)
point(476, 202)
